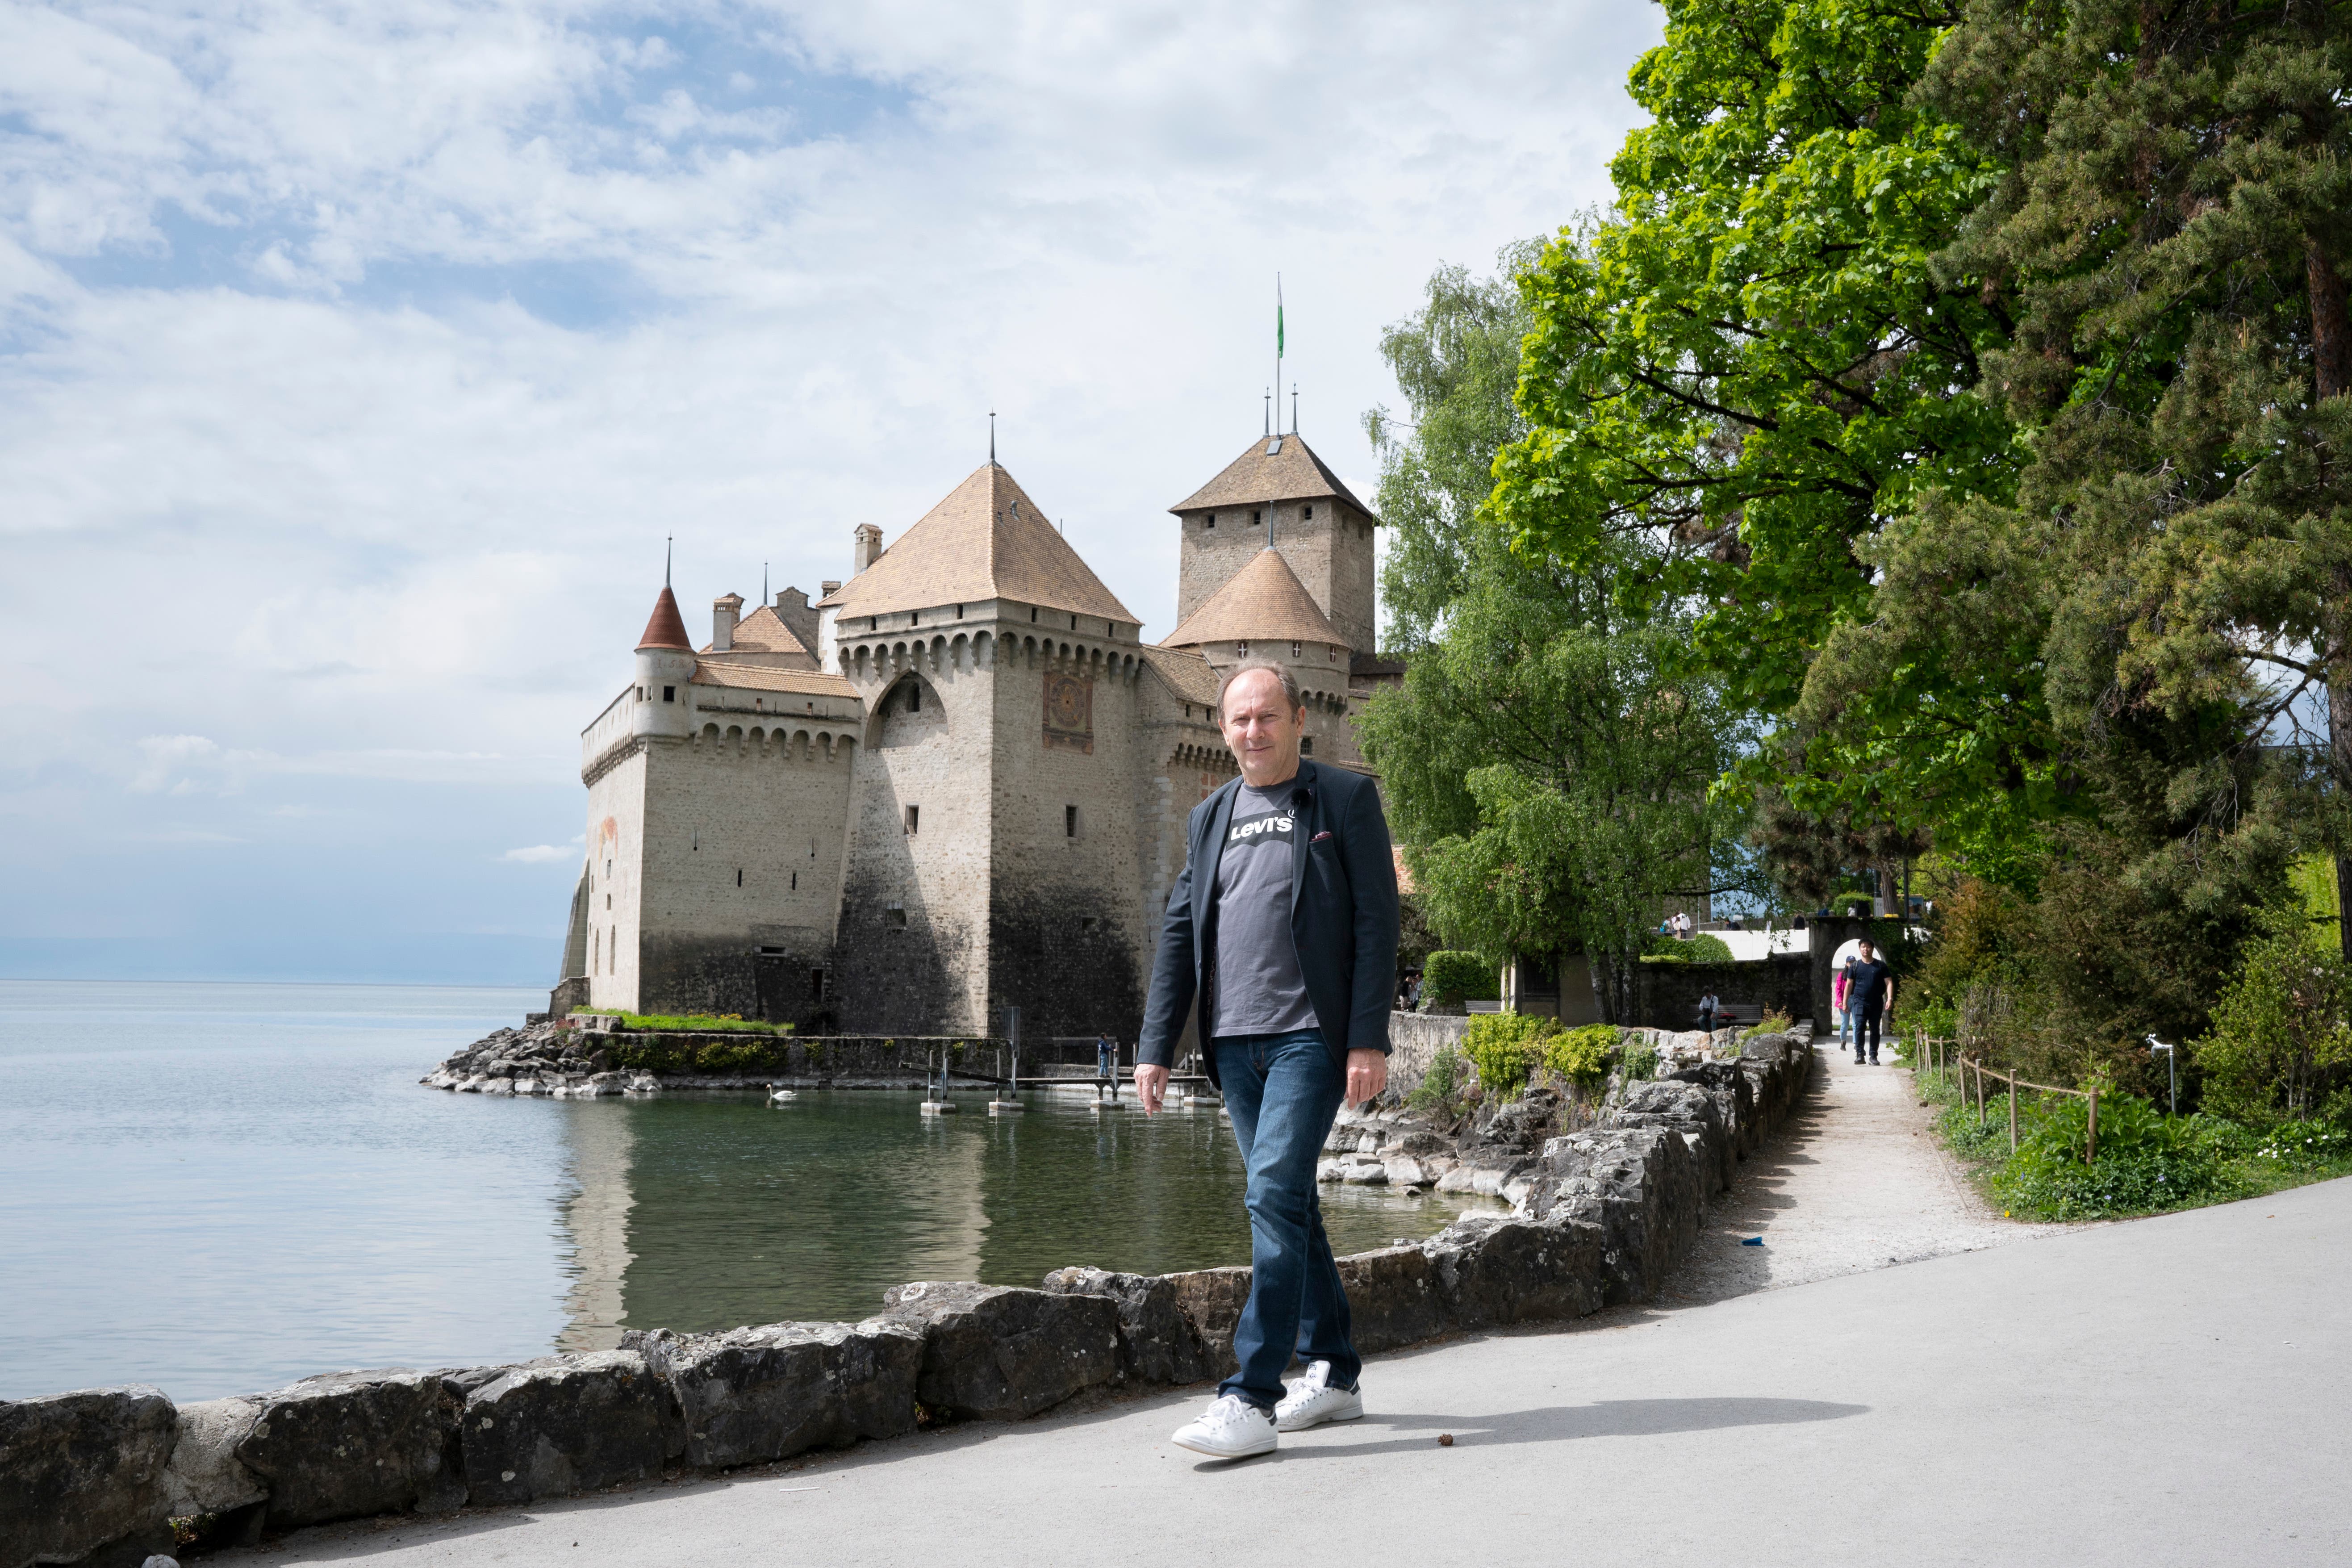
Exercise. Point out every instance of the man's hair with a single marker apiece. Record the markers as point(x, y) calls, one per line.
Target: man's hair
point(1289, 684)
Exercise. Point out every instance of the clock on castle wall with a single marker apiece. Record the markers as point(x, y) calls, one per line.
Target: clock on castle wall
point(1070, 712)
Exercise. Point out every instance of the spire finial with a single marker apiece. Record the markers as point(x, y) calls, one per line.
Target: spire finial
point(1293, 408)
point(669, 542)
point(1269, 411)
point(992, 438)
point(764, 566)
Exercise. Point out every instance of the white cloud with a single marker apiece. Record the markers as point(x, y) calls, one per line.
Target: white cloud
point(540, 854)
point(355, 361)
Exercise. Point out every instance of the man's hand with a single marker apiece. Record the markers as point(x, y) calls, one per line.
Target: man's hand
point(1368, 1074)
point(1150, 1087)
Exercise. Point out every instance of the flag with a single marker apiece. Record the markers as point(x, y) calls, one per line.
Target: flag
point(1277, 315)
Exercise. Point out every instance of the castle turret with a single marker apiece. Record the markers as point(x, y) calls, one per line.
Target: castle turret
point(665, 666)
point(1279, 493)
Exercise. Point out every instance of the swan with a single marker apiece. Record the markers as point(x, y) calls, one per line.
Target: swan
point(779, 1096)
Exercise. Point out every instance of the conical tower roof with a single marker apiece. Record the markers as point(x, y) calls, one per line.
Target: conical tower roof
point(1262, 602)
point(986, 540)
point(668, 627)
point(1271, 468)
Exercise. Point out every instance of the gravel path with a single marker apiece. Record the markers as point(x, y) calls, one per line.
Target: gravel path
point(1855, 1180)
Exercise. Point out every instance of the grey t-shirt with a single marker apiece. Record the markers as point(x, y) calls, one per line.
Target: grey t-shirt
point(1259, 990)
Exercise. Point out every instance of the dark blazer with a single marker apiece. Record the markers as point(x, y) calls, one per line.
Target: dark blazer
point(1343, 916)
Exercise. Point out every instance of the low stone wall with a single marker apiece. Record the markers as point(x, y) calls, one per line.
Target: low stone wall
point(578, 1063)
point(1414, 1040)
point(1601, 1215)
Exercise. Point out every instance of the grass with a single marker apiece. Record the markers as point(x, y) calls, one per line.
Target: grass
point(721, 1022)
point(2147, 1163)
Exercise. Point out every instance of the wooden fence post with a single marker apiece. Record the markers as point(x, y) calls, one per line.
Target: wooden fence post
point(2013, 1111)
point(2092, 1155)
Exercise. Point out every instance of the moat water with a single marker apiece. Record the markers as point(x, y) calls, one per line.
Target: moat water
point(220, 1188)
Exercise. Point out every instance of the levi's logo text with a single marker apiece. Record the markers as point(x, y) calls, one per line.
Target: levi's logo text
point(1274, 826)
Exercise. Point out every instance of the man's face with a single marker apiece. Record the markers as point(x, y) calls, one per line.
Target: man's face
point(1261, 727)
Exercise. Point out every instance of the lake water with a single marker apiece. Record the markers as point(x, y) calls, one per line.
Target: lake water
point(221, 1188)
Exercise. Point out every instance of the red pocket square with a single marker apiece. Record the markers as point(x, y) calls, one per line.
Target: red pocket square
point(1320, 836)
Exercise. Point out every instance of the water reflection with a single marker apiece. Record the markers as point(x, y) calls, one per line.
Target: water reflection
point(703, 1212)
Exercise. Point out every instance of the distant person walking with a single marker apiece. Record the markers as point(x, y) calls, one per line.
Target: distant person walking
point(1106, 1055)
point(1839, 989)
point(1283, 926)
point(1870, 996)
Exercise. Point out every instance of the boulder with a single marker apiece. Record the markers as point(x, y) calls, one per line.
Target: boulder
point(83, 1473)
point(750, 1395)
point(205, 1475)
point(1642, 1185)
point(992, 1352)
point(1686, 1103)
point(1495, 1270)
point(1212, 1301)
point(351, 1444)
point(1393, 1298)
point(1157, 1339)
point(1403, 1172)
point(565, 1424)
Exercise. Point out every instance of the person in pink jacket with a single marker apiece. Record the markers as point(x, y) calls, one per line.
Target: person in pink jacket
point(1838, 1004)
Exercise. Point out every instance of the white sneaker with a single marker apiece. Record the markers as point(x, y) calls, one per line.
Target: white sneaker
point(1312, 1401)
point(1232, 1428)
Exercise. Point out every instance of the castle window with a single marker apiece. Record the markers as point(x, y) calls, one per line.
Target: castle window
point(816, 985)
point(1032, 617)
point(1069, 822)
point(608, 901)
point(670, 693)
point(1305, 745)
point(914, 820)
point(1293, 650)
point(1210, 520)
point(915, 619)
point(959, 612)
point(1331, 653)
point(739, 875)
point(1306, 514)
point(1074, 623)
point(1256, 518)
point(895, 916)
point(1088, 922)
point(1244, 648)
point(914, 697)
point(796, 881)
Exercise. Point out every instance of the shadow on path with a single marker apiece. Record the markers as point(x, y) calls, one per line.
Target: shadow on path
point(1571, 1423)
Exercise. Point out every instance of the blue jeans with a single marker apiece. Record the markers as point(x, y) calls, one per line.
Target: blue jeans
point(1282, 1091)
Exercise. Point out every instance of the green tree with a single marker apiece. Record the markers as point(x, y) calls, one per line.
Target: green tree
point(1456, 360)
point(1547, 773)
point(1755, 364)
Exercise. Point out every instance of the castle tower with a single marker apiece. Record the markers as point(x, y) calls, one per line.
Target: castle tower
point(1279, 488)
point(993, 856)
point(1263, 612)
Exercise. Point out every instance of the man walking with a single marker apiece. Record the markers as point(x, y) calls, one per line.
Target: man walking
point(1869, 997)
point(1283, 925)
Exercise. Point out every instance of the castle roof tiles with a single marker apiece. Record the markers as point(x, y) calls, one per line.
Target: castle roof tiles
point(763, 631)
point(1282, 468)
point(1262, 602)
point(768, 677)
point(668, 627)
point(986, 540)
point(1187, 673)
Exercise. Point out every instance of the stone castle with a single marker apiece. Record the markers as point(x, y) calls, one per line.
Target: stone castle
point(957, 782)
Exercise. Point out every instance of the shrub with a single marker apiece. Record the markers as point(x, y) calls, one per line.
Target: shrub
point(1439, 1093)
point(2281, 1048)
point(1580, 1057)
point(1451, 978)
point(1507, 1047)
point(1639, 1062)
point(1706, 947)
point(2145, 1161)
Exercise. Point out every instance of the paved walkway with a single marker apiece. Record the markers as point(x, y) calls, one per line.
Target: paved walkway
point(1856, 1179)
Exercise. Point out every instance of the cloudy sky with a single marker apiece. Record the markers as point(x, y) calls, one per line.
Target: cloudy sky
point(356, 358)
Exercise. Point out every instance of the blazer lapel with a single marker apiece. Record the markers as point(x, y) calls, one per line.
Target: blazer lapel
point(1301, 830)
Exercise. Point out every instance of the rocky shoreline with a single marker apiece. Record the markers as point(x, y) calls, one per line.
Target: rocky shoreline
point(1600, 1213)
